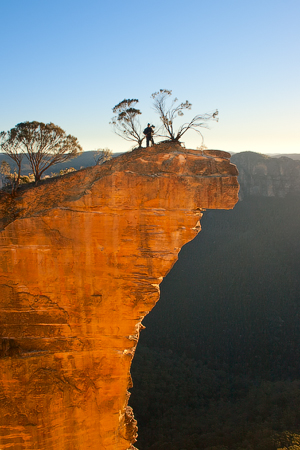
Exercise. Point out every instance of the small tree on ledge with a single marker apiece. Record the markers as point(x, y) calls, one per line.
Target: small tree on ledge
point(101, 155)
point(168, 114)
point(126, 123)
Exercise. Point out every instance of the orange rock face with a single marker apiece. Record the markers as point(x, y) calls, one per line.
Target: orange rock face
point(81, 260)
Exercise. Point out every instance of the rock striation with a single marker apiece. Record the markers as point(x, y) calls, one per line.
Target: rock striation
point(81, 260)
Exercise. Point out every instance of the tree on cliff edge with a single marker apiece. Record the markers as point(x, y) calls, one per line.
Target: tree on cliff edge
point(43, 144)
point(168, 114)
point(126, 122)
point(12, 149)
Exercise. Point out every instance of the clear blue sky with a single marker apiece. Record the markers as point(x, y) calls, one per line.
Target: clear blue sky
point(70, 62)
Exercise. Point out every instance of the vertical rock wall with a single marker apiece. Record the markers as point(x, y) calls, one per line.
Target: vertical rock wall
point(81, 260)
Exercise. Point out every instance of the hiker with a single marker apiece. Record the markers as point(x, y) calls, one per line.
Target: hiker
point(148, 132)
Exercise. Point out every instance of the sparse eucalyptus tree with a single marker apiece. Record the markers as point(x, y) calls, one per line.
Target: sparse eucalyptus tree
point(11, 147)
point(5, 175)
point(168, 114)
point(126, 121)
point(101, 155)
point(43, 144)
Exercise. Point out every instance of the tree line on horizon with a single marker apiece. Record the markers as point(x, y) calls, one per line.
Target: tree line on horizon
point(45, 145)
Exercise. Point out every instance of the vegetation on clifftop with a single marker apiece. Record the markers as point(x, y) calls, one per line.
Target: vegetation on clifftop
point(44, 145)
point(126, 121)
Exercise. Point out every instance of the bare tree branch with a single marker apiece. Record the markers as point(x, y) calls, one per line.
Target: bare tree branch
point(101, 155)
point(168, 115)
point(13, 149)
point(125, 123)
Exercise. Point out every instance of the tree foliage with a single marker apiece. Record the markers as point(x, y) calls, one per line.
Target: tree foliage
point(126, 121)
point(5, 173)
point(168, 114)
point(43, 144)
point(101, 155)
point(12, 148)
point(5, 169)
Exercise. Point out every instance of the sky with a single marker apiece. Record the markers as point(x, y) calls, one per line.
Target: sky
point(70, 62)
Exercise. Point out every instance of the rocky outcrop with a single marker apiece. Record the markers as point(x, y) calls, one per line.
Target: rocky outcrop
point(266, 176)
point(81, 260)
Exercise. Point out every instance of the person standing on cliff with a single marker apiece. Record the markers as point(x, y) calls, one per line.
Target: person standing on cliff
point(148, 132)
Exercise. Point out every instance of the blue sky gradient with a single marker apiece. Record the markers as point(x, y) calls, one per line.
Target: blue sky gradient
point(70, 62)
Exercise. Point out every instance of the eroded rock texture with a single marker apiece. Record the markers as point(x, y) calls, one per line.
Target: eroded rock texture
point(82, 257)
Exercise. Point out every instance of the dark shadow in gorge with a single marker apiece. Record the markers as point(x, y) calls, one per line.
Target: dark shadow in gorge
point(218, 364)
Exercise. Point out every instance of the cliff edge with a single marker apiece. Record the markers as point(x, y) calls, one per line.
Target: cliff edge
point(81, 260)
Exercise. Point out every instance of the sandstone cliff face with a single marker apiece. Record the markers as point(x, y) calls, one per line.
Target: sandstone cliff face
point(81, 260)
point(267, 176)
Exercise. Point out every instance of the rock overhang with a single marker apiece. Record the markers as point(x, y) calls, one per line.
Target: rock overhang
point(82, 257)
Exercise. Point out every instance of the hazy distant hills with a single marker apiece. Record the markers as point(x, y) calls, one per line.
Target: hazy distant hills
point(266, 176)
point(288, 155)
point(86, 159)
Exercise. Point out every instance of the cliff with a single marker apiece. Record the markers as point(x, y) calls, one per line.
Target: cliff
point(266, 176)
point(81, 260)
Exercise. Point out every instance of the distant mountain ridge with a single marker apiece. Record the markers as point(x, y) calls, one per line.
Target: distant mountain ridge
point(266, 176)
point(86, 159)
point(288, 155)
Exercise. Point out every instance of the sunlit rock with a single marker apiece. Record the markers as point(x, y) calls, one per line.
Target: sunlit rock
point(81, 260)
